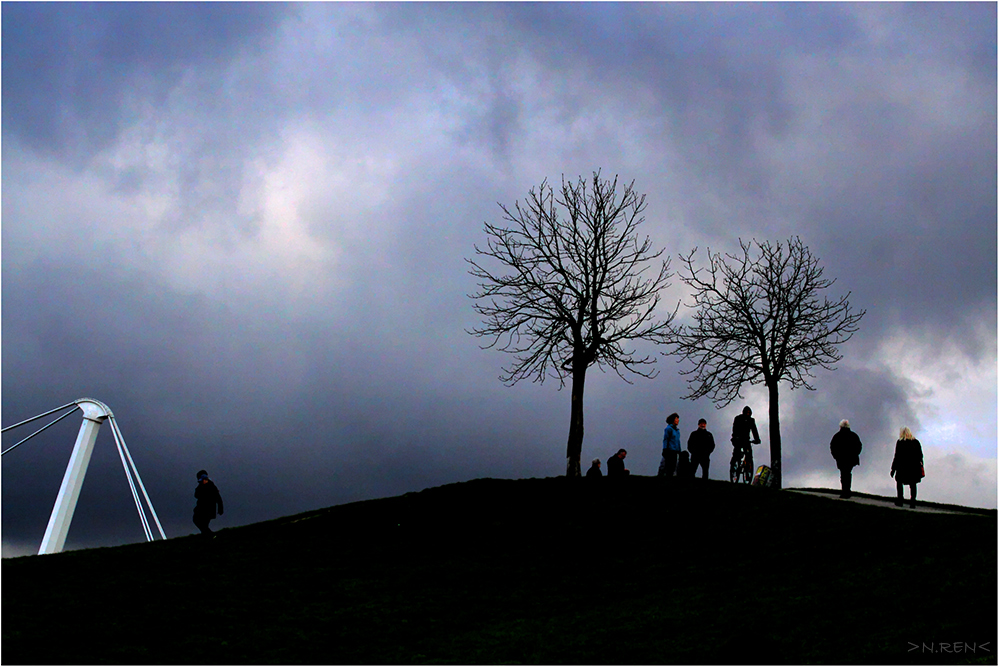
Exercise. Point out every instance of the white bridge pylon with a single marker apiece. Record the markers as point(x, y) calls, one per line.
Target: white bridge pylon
point(95, 413)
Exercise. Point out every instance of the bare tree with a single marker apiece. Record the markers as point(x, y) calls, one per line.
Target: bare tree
point(571, 289)
point(759, 320)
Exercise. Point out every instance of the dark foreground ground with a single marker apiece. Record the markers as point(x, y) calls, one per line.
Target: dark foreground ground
point(537, 571)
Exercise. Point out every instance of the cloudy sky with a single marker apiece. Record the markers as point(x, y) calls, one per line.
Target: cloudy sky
point(244, 229)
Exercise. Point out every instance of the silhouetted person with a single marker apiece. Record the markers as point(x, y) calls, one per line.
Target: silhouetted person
point(742, 427)
point(683, 467)
point(845, 447)
point(907, 466)
point(700, 444)
point(615, 465)
point(594, 470)
point(208, 498)
point(671, 446)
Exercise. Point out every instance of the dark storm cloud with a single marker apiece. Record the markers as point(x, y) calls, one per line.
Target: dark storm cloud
point(262, 273)
point(309, 413)
point(716, 80)
point(69, 67)
point(875, 402)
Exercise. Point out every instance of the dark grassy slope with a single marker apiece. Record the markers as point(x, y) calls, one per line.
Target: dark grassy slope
point(531, 571)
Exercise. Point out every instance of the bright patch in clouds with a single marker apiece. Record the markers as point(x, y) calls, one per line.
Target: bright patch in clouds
point(955, 396)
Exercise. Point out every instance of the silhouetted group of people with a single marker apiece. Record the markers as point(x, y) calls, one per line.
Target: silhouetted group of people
point(615, 466)
point(701, 444)
point(906, 468)
point(679, 462)
point(684, 463)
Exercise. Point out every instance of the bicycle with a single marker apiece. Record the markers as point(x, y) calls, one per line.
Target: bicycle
point(742, 469)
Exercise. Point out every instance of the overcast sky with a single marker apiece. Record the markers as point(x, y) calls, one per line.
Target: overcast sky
point(243, 228)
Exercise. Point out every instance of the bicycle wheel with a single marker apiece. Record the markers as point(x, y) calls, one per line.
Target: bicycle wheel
point(734, 471)
point(749, 469)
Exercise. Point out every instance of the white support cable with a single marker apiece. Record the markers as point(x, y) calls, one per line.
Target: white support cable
point(138, 478)
point(44, 414)
point(131, 485)
point(56, 421)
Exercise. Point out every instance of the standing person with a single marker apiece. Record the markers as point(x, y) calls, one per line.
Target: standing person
point(742, 427)
point(907, 466)
point(845, 447)
point(671, 446)
point(208, 498)
point(700, 444)
point(594, 470)
point(615, 465)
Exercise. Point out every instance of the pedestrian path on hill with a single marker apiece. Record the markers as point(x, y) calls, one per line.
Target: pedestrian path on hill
point(880, 501)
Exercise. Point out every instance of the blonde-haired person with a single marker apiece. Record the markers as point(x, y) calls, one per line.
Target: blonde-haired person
point(907, 466)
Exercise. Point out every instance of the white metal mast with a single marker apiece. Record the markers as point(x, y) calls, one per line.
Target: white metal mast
point(94, 414)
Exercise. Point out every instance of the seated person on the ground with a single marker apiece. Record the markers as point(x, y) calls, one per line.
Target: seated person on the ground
point(683, 467)
point(615, 465)
point(594, 470)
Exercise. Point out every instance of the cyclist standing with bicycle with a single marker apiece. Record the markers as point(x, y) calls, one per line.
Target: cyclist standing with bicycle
point(742, 427)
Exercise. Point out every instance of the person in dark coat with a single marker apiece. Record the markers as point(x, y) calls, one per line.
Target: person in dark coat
point(615, 465)
point(209, 498)
point(700, 444)
point(907, 466)
point(594, 470)
point(845, 447)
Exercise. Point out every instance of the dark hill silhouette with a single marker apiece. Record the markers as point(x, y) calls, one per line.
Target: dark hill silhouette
point(538, 571)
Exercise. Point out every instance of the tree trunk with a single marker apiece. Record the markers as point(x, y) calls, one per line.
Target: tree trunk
point(775, 470)
point(574, 448)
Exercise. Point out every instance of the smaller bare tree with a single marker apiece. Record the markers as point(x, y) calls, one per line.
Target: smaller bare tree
point(760, 320)
point(571, 289)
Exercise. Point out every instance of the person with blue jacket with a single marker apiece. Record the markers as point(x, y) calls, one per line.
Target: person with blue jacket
point(671, 446)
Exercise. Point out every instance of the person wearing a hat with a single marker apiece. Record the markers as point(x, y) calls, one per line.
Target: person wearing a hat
point(209, 498)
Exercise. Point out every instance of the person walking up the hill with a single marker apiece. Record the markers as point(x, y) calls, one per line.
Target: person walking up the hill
point(615, 465)
point(845, 447)
point(671, 446)
point(700, 444)
point(742, 427)
point(209, 498)
point(907, 466)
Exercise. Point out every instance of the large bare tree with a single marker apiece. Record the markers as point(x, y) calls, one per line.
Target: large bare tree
point(760, 319)
point(570, 288)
